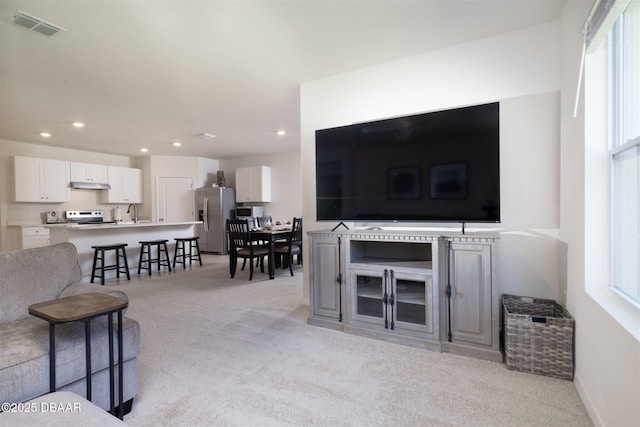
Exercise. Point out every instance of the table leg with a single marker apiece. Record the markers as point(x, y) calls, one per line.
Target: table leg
point(52, 357)
point(112, 405)
point(87, 333)
point(272, 259)
point(120, 366)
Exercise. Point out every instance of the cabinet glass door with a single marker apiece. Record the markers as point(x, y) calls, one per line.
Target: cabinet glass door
point(410, 298)
point(413, 302)
point(369, 294)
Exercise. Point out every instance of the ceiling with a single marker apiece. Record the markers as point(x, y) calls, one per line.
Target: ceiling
point(150, 73)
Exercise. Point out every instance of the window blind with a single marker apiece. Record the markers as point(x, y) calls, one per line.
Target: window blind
point(603, 15)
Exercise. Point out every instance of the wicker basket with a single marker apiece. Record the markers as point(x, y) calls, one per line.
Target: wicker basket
point(538, 336)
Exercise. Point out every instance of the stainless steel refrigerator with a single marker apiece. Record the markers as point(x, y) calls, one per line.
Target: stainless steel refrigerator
point(214, 206)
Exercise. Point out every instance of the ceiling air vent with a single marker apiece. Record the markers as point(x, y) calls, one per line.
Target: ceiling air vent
point(35, 24)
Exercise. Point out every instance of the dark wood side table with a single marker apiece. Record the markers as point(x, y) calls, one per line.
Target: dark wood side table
point(84, 308)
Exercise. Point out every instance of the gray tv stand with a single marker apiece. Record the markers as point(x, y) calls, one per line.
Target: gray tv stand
point(421, 288)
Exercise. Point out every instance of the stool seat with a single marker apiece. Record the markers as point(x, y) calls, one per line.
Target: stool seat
point(184, 251)
point(99, 254)
point(110, 247)
point(146, 263)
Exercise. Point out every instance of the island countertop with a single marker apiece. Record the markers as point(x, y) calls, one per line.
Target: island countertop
point(117, 225)
point(84, 236)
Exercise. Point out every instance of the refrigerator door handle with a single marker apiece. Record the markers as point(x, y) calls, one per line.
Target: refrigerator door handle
point(205, 214)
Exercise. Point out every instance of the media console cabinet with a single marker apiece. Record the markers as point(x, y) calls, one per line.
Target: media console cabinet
point(422, 288)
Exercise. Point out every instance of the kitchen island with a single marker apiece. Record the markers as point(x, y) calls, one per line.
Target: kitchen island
point(84, 236)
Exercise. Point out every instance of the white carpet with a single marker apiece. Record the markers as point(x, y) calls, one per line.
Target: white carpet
point(229, 352)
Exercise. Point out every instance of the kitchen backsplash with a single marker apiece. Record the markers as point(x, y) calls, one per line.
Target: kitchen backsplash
point(35, 213)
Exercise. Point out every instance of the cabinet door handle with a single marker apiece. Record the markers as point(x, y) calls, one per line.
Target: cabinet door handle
point(449, 292)
point(385, 299)
point(392, 298)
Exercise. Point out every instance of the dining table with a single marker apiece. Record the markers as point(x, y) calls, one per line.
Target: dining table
point(271, 235)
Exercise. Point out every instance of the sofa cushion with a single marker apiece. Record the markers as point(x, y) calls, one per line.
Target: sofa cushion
point(35, 275)
point(24, 364)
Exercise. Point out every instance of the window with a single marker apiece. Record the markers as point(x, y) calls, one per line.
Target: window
point(624, 152)
point(611, 211)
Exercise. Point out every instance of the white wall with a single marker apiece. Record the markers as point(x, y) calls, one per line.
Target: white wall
point(607, 355)
point(286, 181)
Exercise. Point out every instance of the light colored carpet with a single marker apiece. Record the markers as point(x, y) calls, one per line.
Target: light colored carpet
point(229, 352)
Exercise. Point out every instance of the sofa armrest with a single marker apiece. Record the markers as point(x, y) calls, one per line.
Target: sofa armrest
point(83, 288)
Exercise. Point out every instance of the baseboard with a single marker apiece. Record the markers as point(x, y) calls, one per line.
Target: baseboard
point(586, 401)
point(489, 354)
point(325, 323)
point(395, 338)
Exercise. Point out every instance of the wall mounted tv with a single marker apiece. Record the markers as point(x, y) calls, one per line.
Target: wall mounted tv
point(441, 166)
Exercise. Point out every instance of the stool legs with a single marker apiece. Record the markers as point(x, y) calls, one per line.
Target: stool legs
point(163, 249)
point(126, 264)
point(197, 246)
point(93, 269)
point(179, 248)
point(99, 256)
point(145, 249)
point(146, 262)
point(181, 255)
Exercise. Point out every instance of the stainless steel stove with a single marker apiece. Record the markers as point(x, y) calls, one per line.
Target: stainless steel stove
point(86, 217)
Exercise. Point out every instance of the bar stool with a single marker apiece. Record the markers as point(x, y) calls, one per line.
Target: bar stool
point(98, 255)
point(146, 263)
point(181, 254)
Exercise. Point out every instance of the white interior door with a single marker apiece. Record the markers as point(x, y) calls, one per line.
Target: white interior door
point(175, 199)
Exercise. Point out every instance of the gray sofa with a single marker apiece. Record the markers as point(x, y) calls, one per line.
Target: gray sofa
point(35, 275)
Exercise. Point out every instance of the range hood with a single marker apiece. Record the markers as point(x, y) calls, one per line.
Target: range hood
point(90, 185)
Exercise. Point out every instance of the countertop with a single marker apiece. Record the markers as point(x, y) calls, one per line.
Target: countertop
point(119, 225)
point(107, 226)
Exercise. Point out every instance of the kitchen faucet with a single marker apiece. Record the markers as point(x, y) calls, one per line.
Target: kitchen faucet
point(135, 212)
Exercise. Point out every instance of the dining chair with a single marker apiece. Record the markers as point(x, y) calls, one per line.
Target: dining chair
point(241, 246)
point(293, 245)
point(262, 222)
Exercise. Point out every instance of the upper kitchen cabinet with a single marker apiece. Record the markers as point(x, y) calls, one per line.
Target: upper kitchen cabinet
point(41, 180)
point(253, 184)
point(126, 185)
point(87, 172)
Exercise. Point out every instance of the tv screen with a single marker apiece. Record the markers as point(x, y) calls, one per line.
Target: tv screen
point(440, 166)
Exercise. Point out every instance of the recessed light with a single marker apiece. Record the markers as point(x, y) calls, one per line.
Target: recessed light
point(78, 124)
point(45, 134)
point(206, 135)
point(281, 132)
point(177, 144)
point(144, 149)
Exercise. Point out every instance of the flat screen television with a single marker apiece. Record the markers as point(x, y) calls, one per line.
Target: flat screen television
point(441, 166)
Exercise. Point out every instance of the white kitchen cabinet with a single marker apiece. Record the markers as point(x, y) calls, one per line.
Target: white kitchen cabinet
point(126, 185)
point(34, 237)
point(41, 180)
point(87, 172)
point(253, 184)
